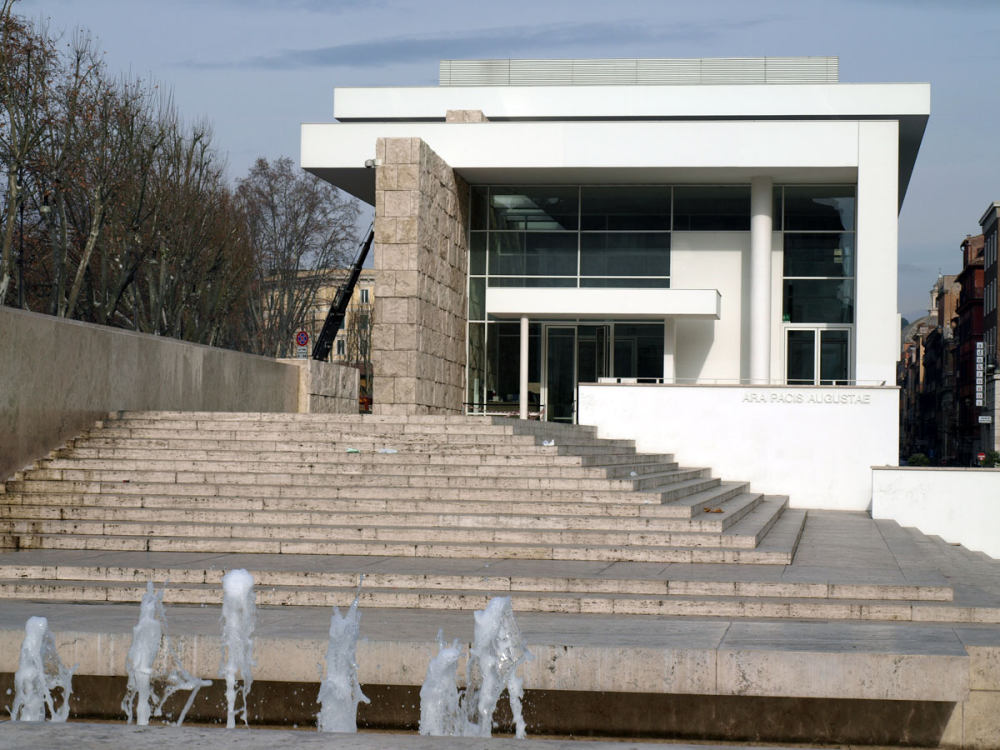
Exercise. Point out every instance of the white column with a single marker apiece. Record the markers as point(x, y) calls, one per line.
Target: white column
point(523, 394)
point(761, 222)
point(669, 344)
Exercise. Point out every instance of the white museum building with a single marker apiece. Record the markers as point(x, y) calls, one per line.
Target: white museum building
point(699, 255)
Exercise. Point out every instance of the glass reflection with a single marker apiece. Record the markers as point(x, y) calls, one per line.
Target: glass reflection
point(819, 255)
point(822, 208)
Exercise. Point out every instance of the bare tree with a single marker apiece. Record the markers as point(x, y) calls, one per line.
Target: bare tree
point(113, 211)
point(27, 62)
point(357, 336)
point(302, 233)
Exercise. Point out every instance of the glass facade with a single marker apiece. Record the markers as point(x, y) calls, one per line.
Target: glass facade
point(620, 237)
point(818, 289)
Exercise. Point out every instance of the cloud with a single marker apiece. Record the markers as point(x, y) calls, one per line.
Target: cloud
point(485, 43)
point(945, 5)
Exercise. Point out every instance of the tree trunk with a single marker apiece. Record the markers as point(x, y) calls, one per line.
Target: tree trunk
point(88, 250)
point(7, 256)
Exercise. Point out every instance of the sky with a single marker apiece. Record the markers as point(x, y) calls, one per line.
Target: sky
point(257, 69)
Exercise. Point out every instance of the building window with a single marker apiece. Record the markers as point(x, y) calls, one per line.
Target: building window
point(364, 297)
point(712, 208)
point(818, 287)
point(340, 348)
point(568, 236)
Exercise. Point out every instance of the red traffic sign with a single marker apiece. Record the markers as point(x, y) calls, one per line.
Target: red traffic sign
point(302, 338)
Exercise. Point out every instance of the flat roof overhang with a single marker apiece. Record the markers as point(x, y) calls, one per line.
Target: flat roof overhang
point(907, 103)
point(561, 303)
point(605, 152)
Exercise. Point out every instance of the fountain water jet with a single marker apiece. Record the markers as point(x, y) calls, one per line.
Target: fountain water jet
point(496, 653)
point(147, 637)
point(441, 713)
point(340, 693)
point(39, 672)
point(239, 616)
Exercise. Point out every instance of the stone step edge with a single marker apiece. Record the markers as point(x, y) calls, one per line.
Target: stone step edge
point(391, 463)
point(294, 478)
point(564, 602)
point(629, 497)
point(295, 447)
point(65, 575)
point(710, 524)
point(443, 550)
point(226, 504)
point(410, 534)
point(333, 436)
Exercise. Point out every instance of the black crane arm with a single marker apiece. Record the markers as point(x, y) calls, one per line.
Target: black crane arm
point(338, 308)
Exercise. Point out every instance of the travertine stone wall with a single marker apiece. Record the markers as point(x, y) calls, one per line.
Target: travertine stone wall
point(465, 115)
point(326, 387)
point(421, 255)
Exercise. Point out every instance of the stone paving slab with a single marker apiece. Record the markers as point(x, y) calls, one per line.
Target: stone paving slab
point(117, 737)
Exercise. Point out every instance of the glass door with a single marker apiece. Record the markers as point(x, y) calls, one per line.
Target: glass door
point(818, 356)
point(559, 381)
point(592, 353)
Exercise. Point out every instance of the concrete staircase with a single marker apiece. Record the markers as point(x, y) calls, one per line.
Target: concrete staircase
point(429, 487)
point(441, 513)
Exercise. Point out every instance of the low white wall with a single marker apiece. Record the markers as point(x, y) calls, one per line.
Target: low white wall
point(57, 376)
point(962, 506)
point(816, 445)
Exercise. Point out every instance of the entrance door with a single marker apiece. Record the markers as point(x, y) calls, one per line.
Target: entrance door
point(559, 396)
point(592, 353)
point(572, 354)
point(817, 356)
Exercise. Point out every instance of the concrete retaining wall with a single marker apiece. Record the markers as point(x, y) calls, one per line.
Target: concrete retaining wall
point(57, 376)
point(816, 445)
point(962, 506)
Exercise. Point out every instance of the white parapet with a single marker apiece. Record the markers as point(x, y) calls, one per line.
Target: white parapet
point(571, 302)
point(817, 445)
point(962, 506)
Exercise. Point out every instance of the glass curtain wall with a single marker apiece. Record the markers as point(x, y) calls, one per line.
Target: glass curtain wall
point(579, 236)
point(818, 226)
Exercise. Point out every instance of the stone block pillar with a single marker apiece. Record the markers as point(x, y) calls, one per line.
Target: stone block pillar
point(421, 306)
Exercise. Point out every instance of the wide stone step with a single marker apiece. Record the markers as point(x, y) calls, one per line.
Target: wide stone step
point(523, 601)
point(495, 550)
point(318, 477)
point(246, 443)
point(198, 489)
point(354, 421)
point(742, 536)
point(388, 517)
point(701, 497)
point(99, 449)
point(336, 464)
point(321, 431)
point(437, 440)
point(96, 448)
point(128, 569)
point(222, 504)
